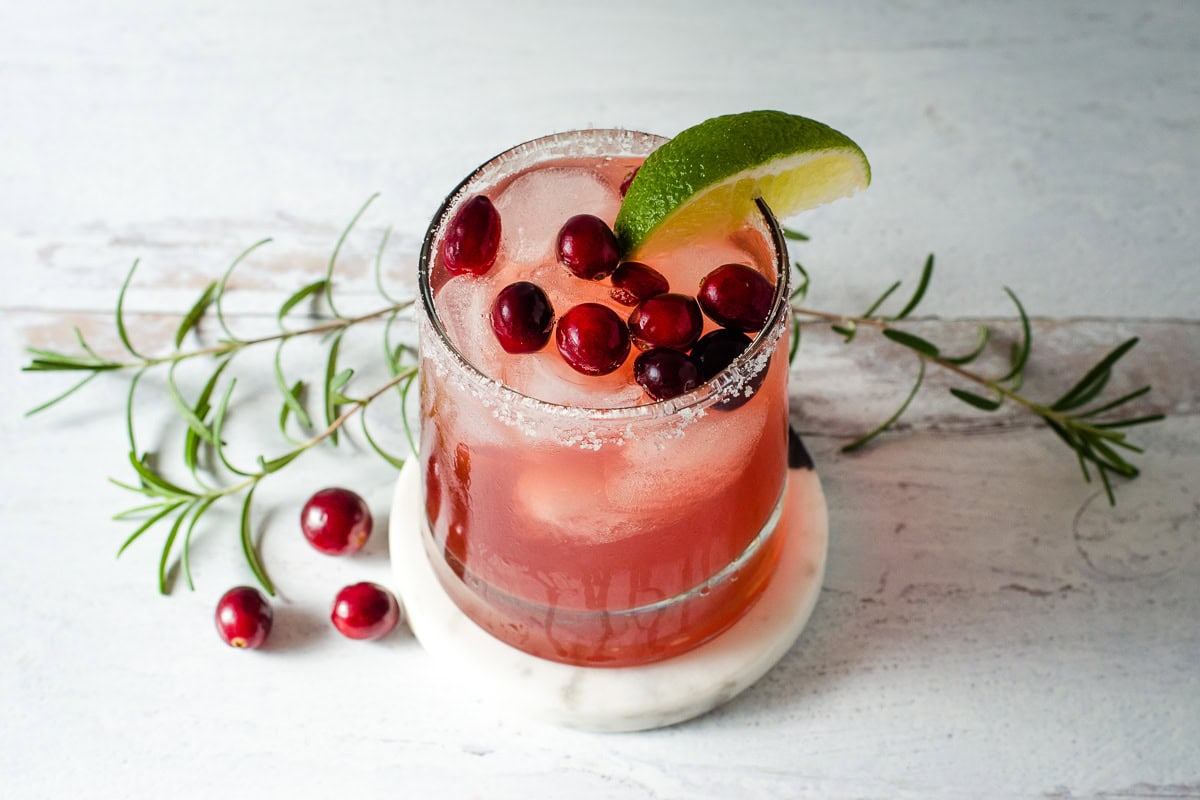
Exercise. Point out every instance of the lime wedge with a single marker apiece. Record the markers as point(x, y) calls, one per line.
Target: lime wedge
point(707, 178)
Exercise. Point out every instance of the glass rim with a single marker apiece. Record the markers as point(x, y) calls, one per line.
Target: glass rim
point(699, 398)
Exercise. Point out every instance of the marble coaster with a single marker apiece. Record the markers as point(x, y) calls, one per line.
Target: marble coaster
point(620, 698)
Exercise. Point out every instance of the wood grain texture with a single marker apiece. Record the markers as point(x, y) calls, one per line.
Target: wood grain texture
point(989, 626)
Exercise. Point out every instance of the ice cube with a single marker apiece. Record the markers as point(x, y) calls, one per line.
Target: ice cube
point(463, 304)
point(671, 466)
point(546, 376)
point(535, 205)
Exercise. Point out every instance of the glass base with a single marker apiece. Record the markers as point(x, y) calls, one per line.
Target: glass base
point(615, 698)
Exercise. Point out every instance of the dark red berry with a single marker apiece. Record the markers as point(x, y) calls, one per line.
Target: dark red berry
point(587, 247)
point(472, 238)
point(716, 350)
point(667, 320)
point(244, 617)
point(665, 373)
point(736, 296)
point(714, 353)
point(628, 180)
point(522, 318)
point(592, 339)
point(634, 282)
point(336, 521)
point(365, 611)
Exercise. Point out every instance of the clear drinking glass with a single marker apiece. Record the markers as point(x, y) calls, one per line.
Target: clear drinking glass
point(601, 536)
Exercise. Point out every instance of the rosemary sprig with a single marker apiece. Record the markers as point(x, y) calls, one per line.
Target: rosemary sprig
point(1094, 443)
point(181, 504)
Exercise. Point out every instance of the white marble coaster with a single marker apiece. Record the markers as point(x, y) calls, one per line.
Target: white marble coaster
point(621, 698)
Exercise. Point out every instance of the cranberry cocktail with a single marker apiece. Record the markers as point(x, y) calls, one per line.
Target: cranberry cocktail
point(603, 435)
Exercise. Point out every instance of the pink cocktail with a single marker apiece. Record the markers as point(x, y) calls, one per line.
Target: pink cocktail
point(571, 515)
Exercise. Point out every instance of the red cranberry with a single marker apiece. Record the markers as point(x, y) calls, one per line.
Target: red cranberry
point(365, 611)
point(522, 318)
point(717, 350)
point(628, 180)
point(587, 247)
point(336, 521)
point(665, 373)
point(737, 296)
point(592, 339)
point(472, 238)
point(244, 617)
point(668, 320)
point(634, 282)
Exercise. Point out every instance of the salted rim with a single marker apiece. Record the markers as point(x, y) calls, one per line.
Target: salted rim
point(699, 398)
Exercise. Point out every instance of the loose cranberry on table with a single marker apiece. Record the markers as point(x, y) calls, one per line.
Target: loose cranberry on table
point(587, 247)
point(665, 373)
point(472, 238)
point(667, 320)
point(365, 611)
point(634, 282)
point(336, 521)
point(244, 618)
point(736, 296)
point(522, 318)
point(592, 339)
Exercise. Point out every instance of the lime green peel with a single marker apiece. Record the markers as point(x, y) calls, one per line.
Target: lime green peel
point(708, 176)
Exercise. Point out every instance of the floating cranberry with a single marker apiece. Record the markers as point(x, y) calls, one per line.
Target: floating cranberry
point(587, 247)
point(665, 373)
point(522, 318)
point(667, 320)
point(592, 339)
point(715, 352)
point(736, 296)
point(634, 282)
point(244, 617)
point(628, 180)
point(365, 611)
point(336, 521)
point(472, 238)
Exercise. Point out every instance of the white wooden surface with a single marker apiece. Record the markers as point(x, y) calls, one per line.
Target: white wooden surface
point(989, 626)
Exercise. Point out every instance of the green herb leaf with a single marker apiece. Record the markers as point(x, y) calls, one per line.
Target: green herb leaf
point(967, 358)
point(331, 404)
point(1096, 373)
point(880, 300)
point(299, 297)
point(248, 546)
point(983, 403)
point(338, 249)
point(120, 315)
point(912, 342)
point(1020, 353)
point(195, 313)
point(225, 281)
point(862, 441)
point(914, 301)
point(794, 235)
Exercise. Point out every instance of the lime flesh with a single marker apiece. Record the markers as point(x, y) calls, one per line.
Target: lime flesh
point(705, 180)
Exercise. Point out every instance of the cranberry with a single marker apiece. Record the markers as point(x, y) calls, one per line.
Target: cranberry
point(365, 611)
point(634, 282)
point(244, 617)
point(665, 373)
point(628, 180)
point(522, 318)
point(472, 238)
point(336, 521)
point(668, 320)
point(717, 350)
point(737, 296)
point(592, 339)
point(587, 247)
